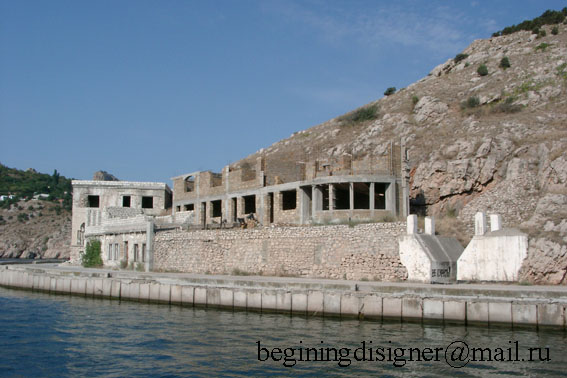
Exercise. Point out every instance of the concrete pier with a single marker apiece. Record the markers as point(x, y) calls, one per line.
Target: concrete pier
point(515, 305)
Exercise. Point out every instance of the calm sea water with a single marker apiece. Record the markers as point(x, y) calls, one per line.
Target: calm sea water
point(55, 335)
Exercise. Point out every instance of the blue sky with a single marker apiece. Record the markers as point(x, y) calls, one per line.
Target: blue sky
point(148, 90)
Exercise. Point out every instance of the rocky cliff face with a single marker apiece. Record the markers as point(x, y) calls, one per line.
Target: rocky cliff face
point(104, 176)
point(494, 142)
point(35, 229)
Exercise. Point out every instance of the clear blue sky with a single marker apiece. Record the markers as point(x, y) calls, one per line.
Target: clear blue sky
point(148, 90)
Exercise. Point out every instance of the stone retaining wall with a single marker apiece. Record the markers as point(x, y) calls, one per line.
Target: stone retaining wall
point(366, 251)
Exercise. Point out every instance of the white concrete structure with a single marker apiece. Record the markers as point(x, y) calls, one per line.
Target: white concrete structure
point(427, 257)
point(117, 213)
point(493, 256)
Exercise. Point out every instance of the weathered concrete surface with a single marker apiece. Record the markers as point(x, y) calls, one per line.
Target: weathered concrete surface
point(463, 303)
point(427, 257)
point(494, 256)
point(454, 311)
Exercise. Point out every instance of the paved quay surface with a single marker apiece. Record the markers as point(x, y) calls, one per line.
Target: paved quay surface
point(474, 289)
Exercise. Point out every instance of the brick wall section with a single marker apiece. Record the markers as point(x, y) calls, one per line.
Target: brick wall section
point(367, 251)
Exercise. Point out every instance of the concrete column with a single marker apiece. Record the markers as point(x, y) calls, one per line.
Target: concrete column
point(371, 192)
point(197, 183)
point(226, 174)
point(240, 201)
point(495, 222)
point(303, 205)
point(351, 196)
point(314, 199)
point(209, 214)
point(260, 210)
point(149, 258)
point(391, 198)
point(429, 226)
point(226, 209)
point(331, 197)
point(411, 224)
point(479, 223)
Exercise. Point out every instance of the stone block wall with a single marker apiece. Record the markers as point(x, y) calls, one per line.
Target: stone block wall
point(367, 251)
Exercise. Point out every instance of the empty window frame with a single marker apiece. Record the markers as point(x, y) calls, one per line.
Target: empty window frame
point(189, 184)
point(189, 207)
point(216, 208)
point(289, 199)
point(342, 196)
point(147, 202)
point(136, 253)
point(249, 204)
point(380, 195)
point(126, 201)
point(109, 254)
point(216, 179)
point(144, 252)
point(125, 251)
point(324, 197)
point(116, 251)
point(361, 195)
point(93, 201)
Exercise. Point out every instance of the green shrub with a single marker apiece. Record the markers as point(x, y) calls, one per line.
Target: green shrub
point(414, 99)
point(472, 102)
point(548, 17)
point(238, 272)
point(505, 62)
point(507, 106)
point(460, 57)
point(123, 264)
point(555, 30)
point(91, 258)
point(541, 34)
point(542, 46)
point(482, 70)
point(451, 212)
point(366, 113)
point(140, 267)
point(562, 71)
point(390, 91)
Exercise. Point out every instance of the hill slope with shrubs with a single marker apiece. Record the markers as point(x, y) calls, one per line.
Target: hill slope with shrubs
point(34, 228)
point(486, 131)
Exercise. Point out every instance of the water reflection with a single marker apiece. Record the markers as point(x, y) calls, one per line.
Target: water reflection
point(53, 335)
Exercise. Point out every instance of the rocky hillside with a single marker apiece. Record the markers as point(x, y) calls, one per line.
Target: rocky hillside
point(35, 229)
point(35, 214)
point(486, 130)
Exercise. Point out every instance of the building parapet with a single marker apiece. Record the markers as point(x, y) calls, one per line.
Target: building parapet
point(121, 184)
point(119, 225)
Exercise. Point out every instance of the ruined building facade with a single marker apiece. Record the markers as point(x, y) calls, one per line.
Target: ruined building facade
point(330, 191)
point(127, 216)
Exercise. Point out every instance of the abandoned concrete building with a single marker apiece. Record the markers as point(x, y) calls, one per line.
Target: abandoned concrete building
point(139, 223)
point(272, 192)
point(113, 211)
point(197, 227)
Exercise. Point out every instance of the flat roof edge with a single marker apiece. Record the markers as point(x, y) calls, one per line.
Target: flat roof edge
point(122, 184)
